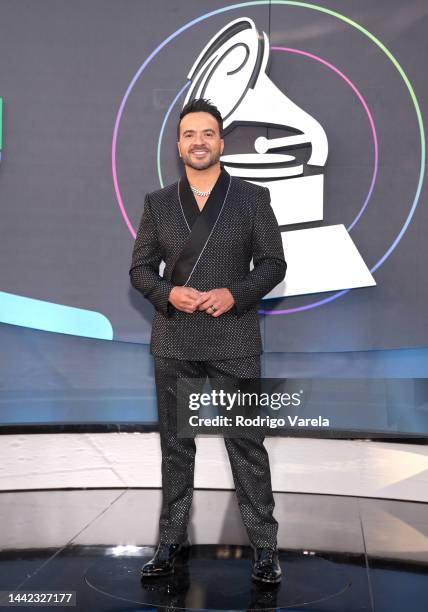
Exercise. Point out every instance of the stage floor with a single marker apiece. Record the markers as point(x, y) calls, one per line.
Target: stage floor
point(336, 553)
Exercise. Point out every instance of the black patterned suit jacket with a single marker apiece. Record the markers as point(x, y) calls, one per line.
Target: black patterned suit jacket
point(245, 228)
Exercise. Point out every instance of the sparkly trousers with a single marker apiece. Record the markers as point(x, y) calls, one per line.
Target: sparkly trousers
point(247, 455)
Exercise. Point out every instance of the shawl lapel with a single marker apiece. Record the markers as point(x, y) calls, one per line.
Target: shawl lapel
point(200, 223)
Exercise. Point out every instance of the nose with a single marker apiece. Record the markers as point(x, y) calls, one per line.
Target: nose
point(199, 140)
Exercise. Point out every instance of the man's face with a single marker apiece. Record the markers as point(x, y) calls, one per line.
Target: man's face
point(200, 145)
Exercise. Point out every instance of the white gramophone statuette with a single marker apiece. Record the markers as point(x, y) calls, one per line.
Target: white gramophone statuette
point(231, 72)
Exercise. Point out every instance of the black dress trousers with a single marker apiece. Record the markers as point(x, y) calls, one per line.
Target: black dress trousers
point(248, 457)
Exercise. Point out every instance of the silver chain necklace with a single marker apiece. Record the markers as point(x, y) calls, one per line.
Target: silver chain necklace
point(200, 193)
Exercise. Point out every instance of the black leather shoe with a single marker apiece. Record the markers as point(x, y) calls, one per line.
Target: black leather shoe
point(266, 566)
point(164, 559)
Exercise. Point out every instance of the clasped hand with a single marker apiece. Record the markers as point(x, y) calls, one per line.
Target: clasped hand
point(189, 299)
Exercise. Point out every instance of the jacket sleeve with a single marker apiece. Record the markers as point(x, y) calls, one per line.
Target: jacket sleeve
point(268, 259)
point(146, 257)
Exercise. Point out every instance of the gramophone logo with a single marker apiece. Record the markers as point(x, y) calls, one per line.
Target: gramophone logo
point(231, 71)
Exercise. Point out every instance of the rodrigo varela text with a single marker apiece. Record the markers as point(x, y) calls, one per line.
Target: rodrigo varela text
point(258, 421)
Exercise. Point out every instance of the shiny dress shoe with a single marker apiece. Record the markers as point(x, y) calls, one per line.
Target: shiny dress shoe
point(164, 559)
point(266, 566)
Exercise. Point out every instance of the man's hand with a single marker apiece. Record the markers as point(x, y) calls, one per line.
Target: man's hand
point(221, 299)
point(186, 299)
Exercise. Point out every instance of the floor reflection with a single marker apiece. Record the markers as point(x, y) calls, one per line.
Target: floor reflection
point(336, 553)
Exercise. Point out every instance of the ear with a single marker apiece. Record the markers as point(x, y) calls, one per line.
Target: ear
point(222, 145)
point(179, 150)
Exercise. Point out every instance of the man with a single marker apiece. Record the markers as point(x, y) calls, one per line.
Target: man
point(207, 227)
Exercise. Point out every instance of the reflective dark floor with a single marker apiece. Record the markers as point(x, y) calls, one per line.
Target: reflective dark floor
point(336, 553)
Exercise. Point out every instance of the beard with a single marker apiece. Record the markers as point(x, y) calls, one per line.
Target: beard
point(209, 160)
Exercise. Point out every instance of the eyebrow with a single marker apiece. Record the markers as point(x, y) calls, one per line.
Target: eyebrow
point(206, 130)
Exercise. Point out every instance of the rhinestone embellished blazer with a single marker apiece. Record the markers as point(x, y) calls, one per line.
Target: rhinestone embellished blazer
point(208, 249)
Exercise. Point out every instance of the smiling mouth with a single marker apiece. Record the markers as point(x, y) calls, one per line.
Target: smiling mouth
point(199, 153)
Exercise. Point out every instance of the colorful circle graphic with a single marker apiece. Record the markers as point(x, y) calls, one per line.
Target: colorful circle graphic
point(329, 12)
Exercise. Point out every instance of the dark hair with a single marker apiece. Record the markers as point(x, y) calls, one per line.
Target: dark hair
point(199, 105)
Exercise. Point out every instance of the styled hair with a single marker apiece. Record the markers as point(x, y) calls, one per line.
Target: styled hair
point(199, 105)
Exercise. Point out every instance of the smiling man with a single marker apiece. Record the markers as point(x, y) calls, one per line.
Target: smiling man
point(207, 226)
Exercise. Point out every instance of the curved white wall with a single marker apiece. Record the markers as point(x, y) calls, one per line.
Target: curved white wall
point(339, 467)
